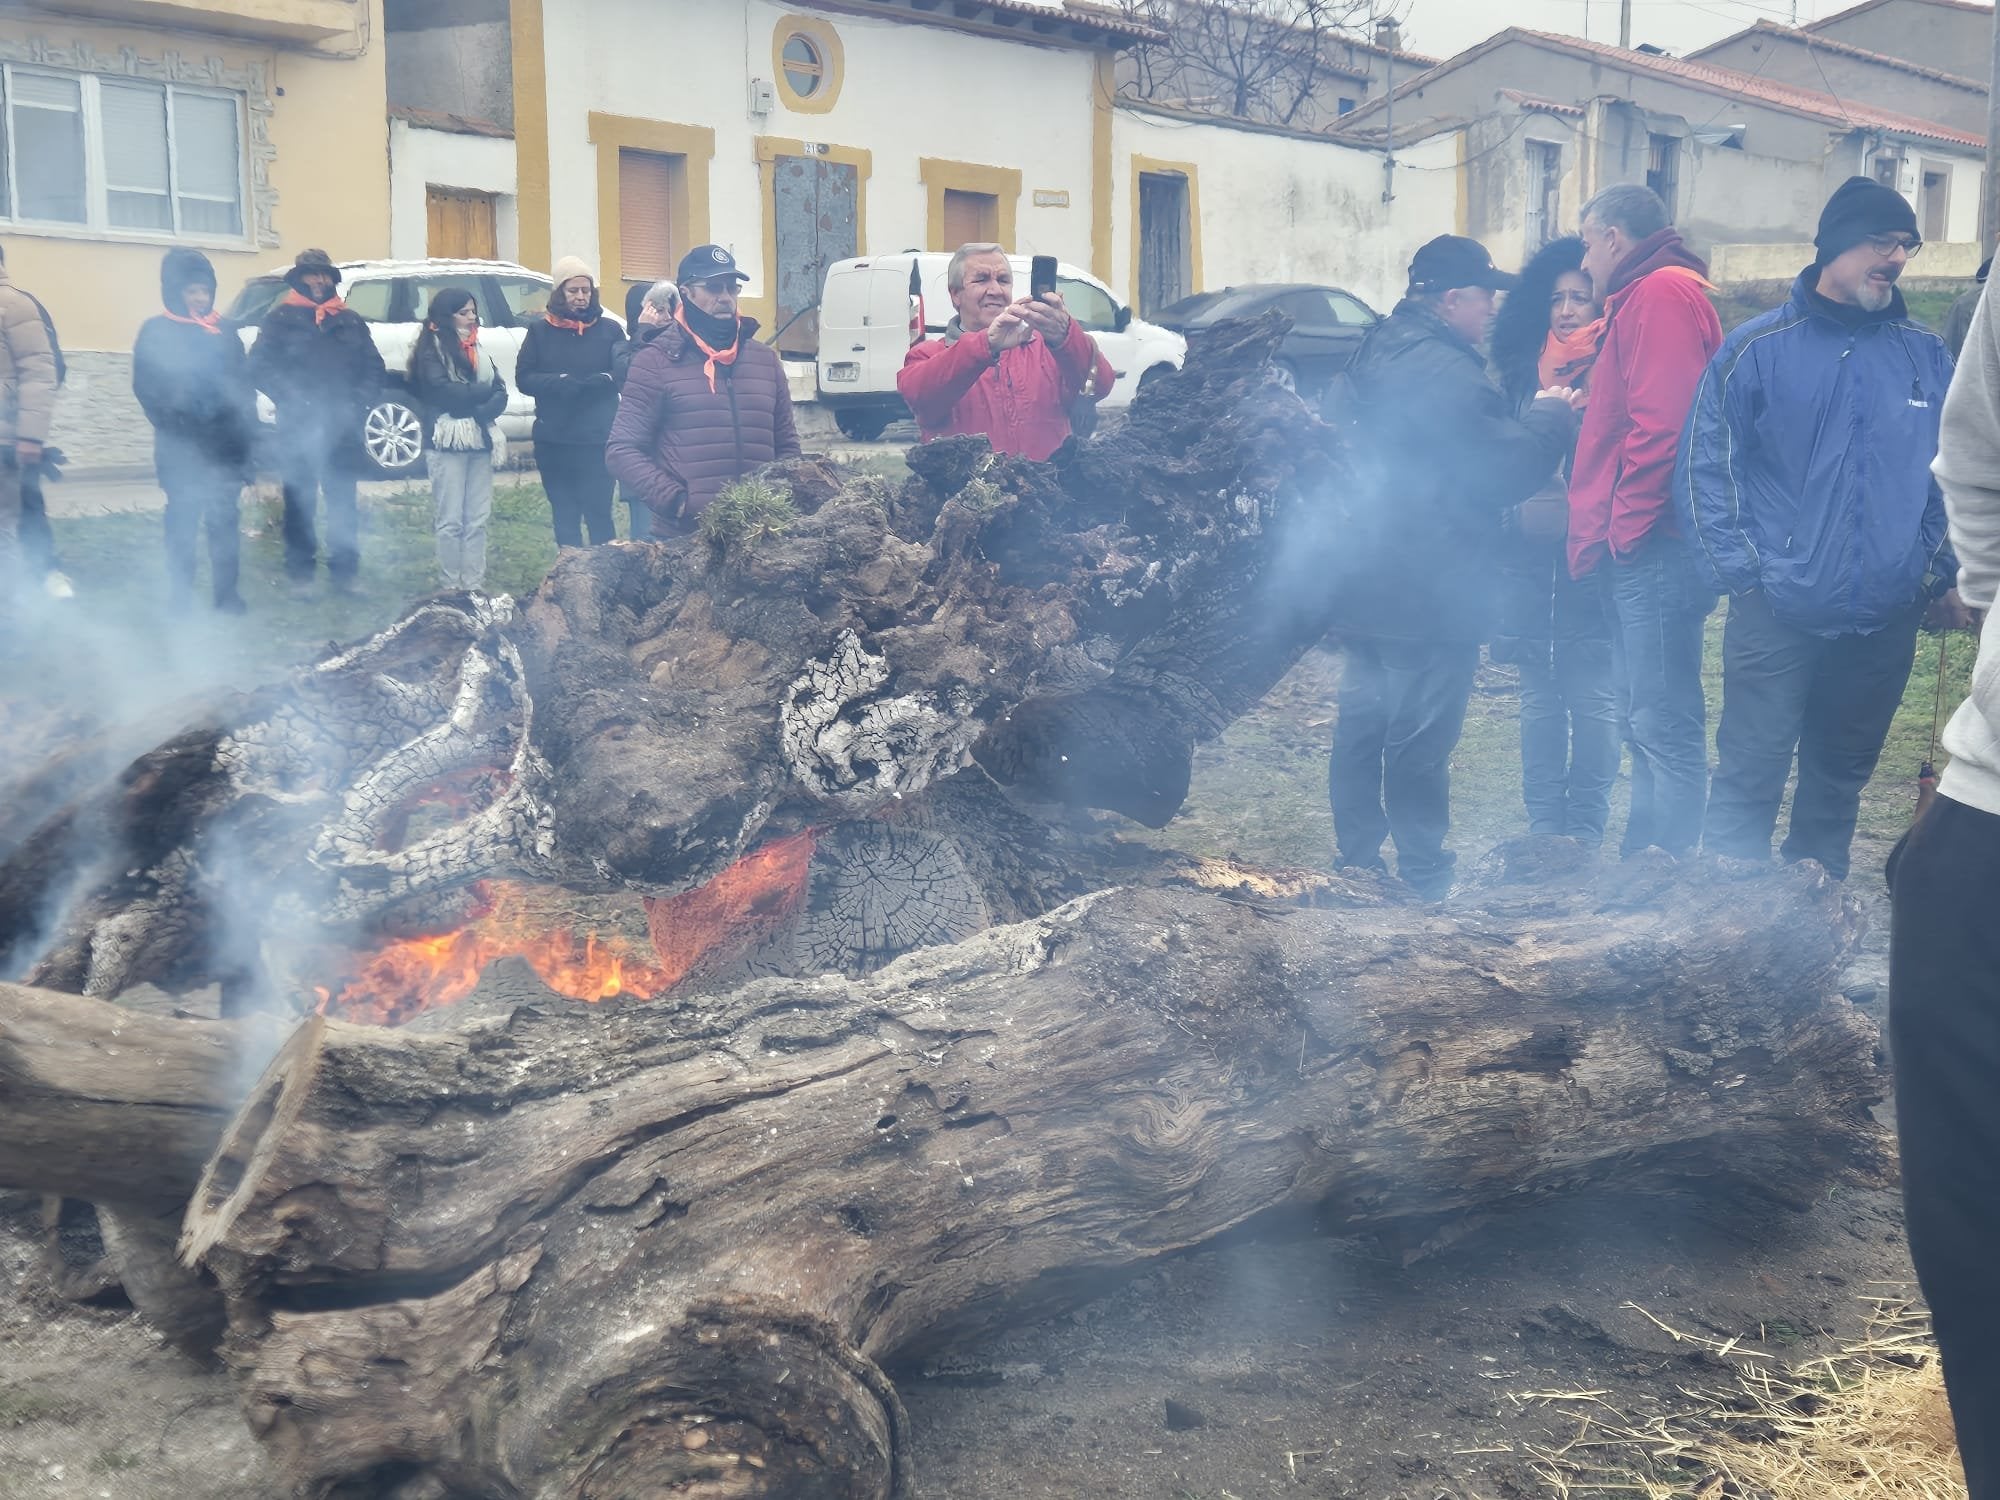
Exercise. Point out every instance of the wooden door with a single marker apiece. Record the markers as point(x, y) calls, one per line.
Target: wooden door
point(462, 225)
point(817, 209)
point(969, 219)
point(1165, 246)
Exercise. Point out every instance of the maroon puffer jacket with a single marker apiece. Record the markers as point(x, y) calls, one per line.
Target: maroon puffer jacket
point(676, 442)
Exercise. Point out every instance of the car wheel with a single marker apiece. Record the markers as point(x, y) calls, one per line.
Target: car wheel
point(392, 435)
point(861, 426)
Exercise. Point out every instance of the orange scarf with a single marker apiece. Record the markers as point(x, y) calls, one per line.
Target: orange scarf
point(570, 323)
point(471, 348)
point(321, 310)
point(715, 356)
point(1567, 361)
point(212, 322)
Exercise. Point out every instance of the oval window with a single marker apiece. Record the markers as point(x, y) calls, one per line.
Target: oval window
point(805, 68)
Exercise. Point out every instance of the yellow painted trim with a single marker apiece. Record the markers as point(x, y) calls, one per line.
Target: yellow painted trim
point(1103, 100)
point(764, 307)
point(531, 133)
point(694, 144)
point(1002, 184)
point(1150, 166)
point(831, 51)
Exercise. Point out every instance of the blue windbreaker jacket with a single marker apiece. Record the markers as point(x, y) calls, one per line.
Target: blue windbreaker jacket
point(1805, 466)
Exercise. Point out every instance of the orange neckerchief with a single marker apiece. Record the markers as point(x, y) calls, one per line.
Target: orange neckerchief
point(1567, 361)
point(570, 323)
point(471, 348)
point(321, 310)
point(715, 356)
point(212, 322)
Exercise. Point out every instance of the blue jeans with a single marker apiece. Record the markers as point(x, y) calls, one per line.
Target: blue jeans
point(1829, 698)
point(1401, 710)
point(1658, 603)
point(1569, 736)
point(642, 518)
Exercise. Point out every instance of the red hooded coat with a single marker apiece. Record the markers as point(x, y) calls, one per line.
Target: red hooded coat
point(1018, 402)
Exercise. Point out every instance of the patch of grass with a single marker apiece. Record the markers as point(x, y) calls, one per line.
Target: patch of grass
point(22, 1406)
point(115, 1461)
point(746, 512)
point(1928, 298)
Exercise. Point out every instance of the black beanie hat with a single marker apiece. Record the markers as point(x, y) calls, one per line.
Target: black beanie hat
point(180, 270)
point(1858, 208)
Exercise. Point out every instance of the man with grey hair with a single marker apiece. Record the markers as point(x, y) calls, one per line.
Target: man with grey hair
point(1659, 333)
point(1007, 368)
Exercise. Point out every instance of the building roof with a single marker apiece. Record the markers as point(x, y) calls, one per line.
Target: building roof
point(1071, 21)
point(1544, 106)
point(1708, 77)
point(1855, 10)
point(1844, 49)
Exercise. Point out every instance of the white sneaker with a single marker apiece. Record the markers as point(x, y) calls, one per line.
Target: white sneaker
point(58, 586)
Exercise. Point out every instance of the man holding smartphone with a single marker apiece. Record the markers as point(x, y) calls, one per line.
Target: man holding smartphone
point(1008, 367)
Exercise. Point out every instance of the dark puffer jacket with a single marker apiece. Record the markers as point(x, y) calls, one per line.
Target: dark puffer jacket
point(569, 375)
point(676, 443)
point(194, 384)
point(321, 374)
point(443, 386)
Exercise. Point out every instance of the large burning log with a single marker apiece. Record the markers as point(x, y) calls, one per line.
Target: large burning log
point(563, 1250)
point(657, 712)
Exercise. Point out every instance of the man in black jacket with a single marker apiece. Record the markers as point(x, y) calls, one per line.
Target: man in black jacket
point(1439, 457)
point(191, 376)
point(318, 363)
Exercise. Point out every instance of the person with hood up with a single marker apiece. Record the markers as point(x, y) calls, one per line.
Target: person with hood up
point(1551, 626)
point(565, 363)
point(705, 403)
point(460, 393)
point(317, 361)
point(1805, 480)
point(648, 310)
point(1008, 368)
point(27, 404)
point(1660, 332)
point(1439, 456)
point(192, 379)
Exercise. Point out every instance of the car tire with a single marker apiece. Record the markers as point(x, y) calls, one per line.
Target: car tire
point(861, 426)
point(392, 435)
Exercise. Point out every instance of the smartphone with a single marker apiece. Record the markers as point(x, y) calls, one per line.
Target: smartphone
point(1042, 276)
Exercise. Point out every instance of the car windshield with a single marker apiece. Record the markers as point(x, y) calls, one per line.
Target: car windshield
point(257, 298)
point(525, 298)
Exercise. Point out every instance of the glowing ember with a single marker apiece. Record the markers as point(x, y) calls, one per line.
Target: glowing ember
point(736, 910)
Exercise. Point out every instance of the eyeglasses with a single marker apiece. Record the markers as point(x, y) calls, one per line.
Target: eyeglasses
point(1886, 245)
point(718, 284)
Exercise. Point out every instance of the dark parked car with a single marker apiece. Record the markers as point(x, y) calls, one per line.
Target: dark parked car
point(1327, 325)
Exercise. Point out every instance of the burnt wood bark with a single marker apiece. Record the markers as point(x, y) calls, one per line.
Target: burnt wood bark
point(1065, 631)
point(670, 1249)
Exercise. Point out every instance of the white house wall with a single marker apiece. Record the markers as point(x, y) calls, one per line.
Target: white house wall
point(420, 159)
point(1278, 207)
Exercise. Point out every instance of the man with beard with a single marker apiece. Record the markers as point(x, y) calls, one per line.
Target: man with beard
point(1007, 368)
point(705, 401)
point(192, 380)
point(317, 362)
point(1805, 479)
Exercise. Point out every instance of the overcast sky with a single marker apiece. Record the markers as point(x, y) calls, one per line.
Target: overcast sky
point(1442, 27)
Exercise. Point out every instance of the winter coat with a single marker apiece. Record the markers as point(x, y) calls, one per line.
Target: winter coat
point(1806, 468)
point(642, 335)
point(194, 387)
point(322, 376)
point(1439, 457)
point(676, 443)
point(1018, 402)
point(442, 388)
point(569, 374)
point(1660, 332)
point(27, 367)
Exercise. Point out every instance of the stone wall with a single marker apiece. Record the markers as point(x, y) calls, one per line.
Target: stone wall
point(98, 423)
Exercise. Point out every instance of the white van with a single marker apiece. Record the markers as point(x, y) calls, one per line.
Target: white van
point(865, 329)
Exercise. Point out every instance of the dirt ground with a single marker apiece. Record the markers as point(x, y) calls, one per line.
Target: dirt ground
point(1297, 1363)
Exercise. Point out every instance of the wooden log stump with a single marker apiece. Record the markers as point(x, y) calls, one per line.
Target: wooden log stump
point(605, 1251)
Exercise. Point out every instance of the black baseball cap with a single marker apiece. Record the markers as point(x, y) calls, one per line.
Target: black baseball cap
point(1452, 260)
point(706, 263)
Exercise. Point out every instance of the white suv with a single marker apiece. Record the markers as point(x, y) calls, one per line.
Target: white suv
point(392, 296)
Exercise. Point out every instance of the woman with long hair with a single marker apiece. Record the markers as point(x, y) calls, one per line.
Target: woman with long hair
point(1553, 627)
point(460, 394)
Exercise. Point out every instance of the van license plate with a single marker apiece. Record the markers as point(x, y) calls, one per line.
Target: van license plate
point(843, 372)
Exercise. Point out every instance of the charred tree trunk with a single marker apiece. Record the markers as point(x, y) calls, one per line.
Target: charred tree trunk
point(603, 1251)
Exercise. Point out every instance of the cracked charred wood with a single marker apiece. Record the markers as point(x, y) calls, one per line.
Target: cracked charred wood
point(564, 1251)
point(655, 712)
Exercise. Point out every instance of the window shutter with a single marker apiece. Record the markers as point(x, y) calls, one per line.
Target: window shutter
point(47, 121)
point(134, 118)
point(208, 163)
point(646, 215)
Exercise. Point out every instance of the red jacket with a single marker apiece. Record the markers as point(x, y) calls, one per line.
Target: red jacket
point(1017, 403)
point(1659, 333)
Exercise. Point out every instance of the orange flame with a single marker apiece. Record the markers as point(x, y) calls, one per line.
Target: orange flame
point(698, 928)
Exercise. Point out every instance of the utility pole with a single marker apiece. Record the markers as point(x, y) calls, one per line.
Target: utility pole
point(1989, 197)
point(1625, 24)
point(1389, 38)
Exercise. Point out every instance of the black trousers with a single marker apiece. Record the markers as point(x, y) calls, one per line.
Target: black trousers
point(202, 499)
point(38, 539)
point(1831, 700)
point(579, 490)
point(316, 463)
point(1944, 1030)
point(1401, 710)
